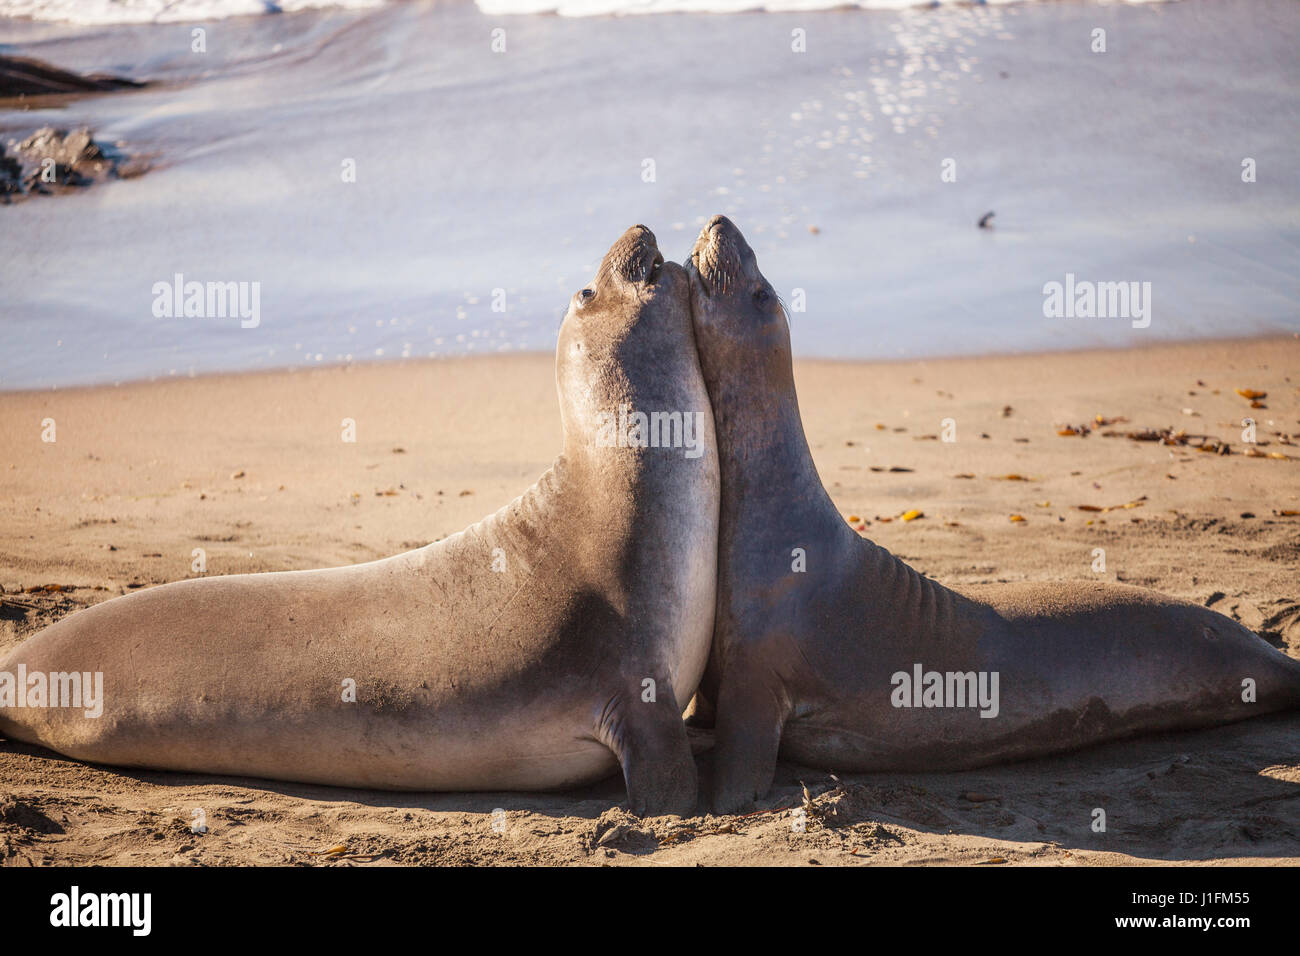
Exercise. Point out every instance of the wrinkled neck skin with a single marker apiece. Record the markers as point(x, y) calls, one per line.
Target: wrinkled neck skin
point(649, 366)
point(648, 503)
point(773, 501)
point(770, 484)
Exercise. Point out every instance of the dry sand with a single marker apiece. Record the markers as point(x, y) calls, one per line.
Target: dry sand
point(252, 469)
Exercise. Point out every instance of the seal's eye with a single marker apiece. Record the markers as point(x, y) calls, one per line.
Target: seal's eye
point(762, 297)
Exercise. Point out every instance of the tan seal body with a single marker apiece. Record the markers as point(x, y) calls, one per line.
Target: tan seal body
point(823, 664)
point(515, 655)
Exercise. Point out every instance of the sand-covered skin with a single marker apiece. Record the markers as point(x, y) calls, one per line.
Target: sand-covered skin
point(253, 470)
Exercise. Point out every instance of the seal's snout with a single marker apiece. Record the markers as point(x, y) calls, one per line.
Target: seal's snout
point(635, 257)
point(717, 231)
point(716, 255)
point(721, 224)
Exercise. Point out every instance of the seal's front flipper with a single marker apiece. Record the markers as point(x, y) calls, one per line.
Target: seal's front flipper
point(650, 741)
point(752, 709)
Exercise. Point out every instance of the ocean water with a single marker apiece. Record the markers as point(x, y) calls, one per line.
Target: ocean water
point(105, 12)
point(178, 11)
point(596, 8)
point(856, 148)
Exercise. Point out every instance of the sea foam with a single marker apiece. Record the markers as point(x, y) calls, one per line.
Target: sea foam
point(173, 11)
point(596, 8)
point(97, 12)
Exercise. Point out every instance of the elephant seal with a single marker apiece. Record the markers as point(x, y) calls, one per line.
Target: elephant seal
point(538, 649)
point(859, 663)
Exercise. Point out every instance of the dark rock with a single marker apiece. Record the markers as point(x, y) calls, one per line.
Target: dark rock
point(52, 161)
point(23, 76)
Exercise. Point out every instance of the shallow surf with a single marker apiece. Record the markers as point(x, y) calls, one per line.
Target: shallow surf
point(404, 180)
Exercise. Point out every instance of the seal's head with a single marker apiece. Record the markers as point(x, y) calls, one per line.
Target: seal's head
point(625, 333)
point(739, 320)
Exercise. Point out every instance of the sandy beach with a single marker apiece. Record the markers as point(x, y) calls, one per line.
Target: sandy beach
point(384, 205)
point(251, 469)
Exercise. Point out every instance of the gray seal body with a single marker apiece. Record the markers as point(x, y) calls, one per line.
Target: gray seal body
point(859, 663)
point(541, 648)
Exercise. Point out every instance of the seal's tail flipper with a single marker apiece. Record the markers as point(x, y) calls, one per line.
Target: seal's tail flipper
point(6, 726)
point(1269, 678)
point(1292, 666)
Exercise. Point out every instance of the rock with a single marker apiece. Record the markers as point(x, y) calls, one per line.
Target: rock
point(24, 76)
point(53, 160)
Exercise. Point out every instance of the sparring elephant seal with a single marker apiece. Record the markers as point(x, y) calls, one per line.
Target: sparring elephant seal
point(515, 655)
point(832, 666)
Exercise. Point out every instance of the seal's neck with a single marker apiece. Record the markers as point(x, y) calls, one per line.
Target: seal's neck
point(767, 467)
point(542, 520)
point(773, 501)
